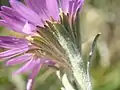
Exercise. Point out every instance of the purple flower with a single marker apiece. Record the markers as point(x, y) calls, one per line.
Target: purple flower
point(25, 19)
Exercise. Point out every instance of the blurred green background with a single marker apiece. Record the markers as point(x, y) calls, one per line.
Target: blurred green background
point(97, 16)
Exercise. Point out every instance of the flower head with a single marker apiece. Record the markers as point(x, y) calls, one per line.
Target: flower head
point(48, 28)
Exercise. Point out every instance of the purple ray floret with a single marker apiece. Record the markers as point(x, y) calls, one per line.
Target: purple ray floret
point(25, 18)
point(71, 6)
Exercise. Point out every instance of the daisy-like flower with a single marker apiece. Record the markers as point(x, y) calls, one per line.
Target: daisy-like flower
point(51, 30)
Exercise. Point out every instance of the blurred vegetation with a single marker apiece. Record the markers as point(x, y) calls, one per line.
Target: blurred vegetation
point(97, 16)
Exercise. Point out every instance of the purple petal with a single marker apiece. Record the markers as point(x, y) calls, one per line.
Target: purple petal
point(26, 12)
point(3, 23)
point(32, 76)
point(45, 8)
point(31, 4)
point(12, 12)
point(78, 4)
point(12, 22)
point(19, 59)
point(12, 42)
point(28, 66)
point(13, 52)
point(28, 28)
point(53, 8)
point(10, 46)
point(13, 39)
point(65, 5)
point(16, 24)
point(15, 21)
point(4, 16)
point(71, 6)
